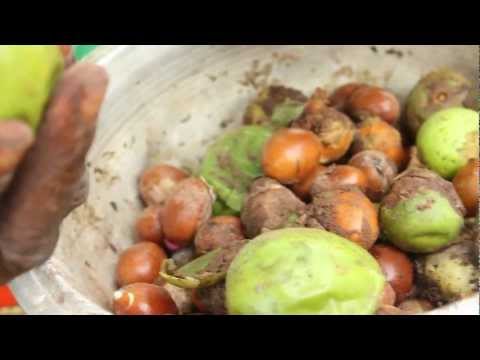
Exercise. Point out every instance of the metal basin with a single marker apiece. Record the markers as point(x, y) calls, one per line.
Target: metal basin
point(167, 103)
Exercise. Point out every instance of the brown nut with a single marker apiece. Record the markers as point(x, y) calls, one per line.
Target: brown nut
point(303, 188)
point(339, 177)
point(341, 97)
point(291, 155)
point(271, 206)
point(186, 210)
point(158, 182)
point(141, 263)
point(143, 299)
point(348, 213)
point(375, 134)
point(398, 269)
point(466, 184)
point(149, 225)
point(217, 232)
point(335, 130)
point(368, 101)
point(379, 170)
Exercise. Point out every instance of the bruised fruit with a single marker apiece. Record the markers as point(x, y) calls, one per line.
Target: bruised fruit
point(448, 140)
point(371, 101)
point(158, 182)
point(28, 75)
point(422, 213)
point(397, 267)
point(291, 155)
point(140, 263)
point(439, 90)
point(379, 170)
point(334, 129)
point(186, 210)
point(303, 272)
point(375, 134)
point(232, 163)
point(449, 275)
point(275, 106)
point(466, 184)
point(143, 299)
point(271, 206)
point(149, 225)
point(348, 213)
point(217, 232)
point(339, 177)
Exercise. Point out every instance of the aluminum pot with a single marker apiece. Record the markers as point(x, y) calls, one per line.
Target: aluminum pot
point(167, 103)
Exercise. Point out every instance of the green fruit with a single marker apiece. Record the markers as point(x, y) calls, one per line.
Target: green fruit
point(422, 213)
point(439, 90)
point(28, 74)
point(448, 140)
point(232, 163)
point(303, 272)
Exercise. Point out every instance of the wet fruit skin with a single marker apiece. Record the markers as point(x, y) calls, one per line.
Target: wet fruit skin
point(438, 90)
point(186, 210)
point(149, 225)
point(448, 140)
point(348, 213)
point(368, 101)
point(398, 269)
point(303, 272)
point(217, 232)
point(291, 155)
point(341, 97)
point(140, 263)
point(379, 170)
point(466, 184)
point(28, 75)
point(143, 299)
point(158, 182)
point(339, 177)
point(422, 213)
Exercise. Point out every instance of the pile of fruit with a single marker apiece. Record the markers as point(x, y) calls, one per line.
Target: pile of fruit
point(335, 204)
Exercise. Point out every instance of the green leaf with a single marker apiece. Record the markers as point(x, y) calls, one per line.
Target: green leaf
point(287, 112)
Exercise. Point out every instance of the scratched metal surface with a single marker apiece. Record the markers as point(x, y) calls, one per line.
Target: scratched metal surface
point(167, 103)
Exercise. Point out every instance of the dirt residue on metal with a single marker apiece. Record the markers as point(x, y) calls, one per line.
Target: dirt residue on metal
point(258, 76)
point(344, 71)
point(104, 176)
point(414, 181)
point(395, 52)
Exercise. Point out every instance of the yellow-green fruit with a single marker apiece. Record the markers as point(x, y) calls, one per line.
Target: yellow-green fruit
point(303, 272)
point(448, 140)
point(28, 74)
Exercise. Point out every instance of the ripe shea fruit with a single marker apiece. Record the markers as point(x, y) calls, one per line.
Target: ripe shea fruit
point(303, 272)
point(28, 74)
point(448, 140)
point(438, 90)
point(232, 163)
point(422, 213)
